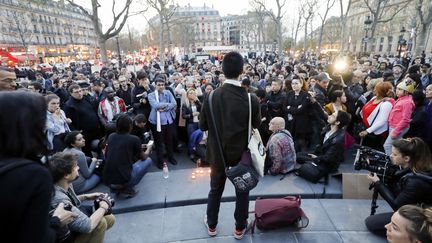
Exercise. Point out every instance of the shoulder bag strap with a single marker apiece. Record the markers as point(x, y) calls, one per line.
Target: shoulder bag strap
point(379, 108)
point(250, 119)
point(218, 141)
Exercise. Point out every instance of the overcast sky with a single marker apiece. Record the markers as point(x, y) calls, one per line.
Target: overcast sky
point(224, 7)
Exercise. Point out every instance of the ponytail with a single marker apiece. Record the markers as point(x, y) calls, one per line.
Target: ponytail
point(420, 219)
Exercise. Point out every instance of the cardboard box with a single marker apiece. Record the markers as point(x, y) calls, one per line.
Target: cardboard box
point(356, 186)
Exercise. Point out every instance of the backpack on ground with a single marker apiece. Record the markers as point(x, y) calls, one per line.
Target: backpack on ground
point(279, 212)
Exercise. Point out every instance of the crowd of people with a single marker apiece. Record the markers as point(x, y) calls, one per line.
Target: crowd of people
point(100, 125)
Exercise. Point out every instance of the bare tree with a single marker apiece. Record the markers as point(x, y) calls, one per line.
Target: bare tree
point(165, 10)
point(308, 13)
point(343, 18)
point(323, 17)
point(298, 25)
point(382, 11)
point(424, 13)
point(260, 15)
point(277, 18)
point(119, 20)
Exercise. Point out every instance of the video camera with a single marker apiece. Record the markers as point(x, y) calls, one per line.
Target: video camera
point(377, 162)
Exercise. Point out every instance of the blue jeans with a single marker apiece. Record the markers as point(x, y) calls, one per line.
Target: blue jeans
point(139, 169)
point(389, 141)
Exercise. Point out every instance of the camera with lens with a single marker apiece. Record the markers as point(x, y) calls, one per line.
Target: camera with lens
point(107, 199)
point(377, 162)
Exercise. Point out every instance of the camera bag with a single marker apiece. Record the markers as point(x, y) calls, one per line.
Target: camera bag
point(279, 212)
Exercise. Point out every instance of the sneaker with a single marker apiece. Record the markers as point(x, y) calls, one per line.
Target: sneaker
point(210, 231)
point(239, 233)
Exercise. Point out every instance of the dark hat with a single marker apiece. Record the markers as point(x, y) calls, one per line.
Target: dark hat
point(323, 77)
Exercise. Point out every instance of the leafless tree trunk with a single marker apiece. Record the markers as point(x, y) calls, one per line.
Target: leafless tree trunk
point(119, 20)
point(343, 18)
point(323, 17)
point(309, 9)
point(277, 18)
point(165, 11)
point(424, 13)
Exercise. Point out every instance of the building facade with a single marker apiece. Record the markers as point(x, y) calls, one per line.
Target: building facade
point(50, 31)
point(387, 34)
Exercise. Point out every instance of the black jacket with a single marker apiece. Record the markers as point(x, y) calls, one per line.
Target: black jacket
point(331, 152)
point(231, 113)
point(83, 115)
point(298, 113)
point(414, 188)
point(187, 111)
point(275, 102)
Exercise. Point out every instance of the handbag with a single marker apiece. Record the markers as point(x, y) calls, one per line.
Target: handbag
point(310, 171)
point(279, 212)
point(256, 146)
point(243, 176)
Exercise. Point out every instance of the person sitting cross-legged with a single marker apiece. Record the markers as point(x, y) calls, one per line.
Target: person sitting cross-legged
point(329, 154)
point(126, 162)
point(281, 155)
point(89, 226)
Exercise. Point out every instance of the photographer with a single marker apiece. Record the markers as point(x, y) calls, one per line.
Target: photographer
point(89, 226)
point(414, 185)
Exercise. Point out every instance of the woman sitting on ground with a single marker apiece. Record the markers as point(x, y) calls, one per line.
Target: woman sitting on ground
point(410, 224)
point(87, 179)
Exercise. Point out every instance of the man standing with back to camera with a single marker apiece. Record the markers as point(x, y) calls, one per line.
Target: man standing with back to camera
point(231, 115)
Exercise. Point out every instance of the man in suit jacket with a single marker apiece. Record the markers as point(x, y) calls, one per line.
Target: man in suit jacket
point(231, 114)
point(330, 153)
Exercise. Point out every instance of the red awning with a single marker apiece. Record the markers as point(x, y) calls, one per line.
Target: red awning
point(26, 57)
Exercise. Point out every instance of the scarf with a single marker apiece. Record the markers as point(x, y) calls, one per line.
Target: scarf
point(158, 121)
point(110, 111)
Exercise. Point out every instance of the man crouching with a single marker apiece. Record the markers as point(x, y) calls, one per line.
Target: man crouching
point(90, 225)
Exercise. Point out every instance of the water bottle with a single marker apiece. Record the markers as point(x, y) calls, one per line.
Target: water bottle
point(165, 171)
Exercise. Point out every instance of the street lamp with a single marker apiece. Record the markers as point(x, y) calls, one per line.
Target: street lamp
point(401, 41)
point(368, 25)
point(274, 45)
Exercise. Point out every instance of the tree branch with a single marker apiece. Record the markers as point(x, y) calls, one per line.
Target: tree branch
point(71, 2)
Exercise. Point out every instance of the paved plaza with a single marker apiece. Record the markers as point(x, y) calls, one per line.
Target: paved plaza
point(172, 210)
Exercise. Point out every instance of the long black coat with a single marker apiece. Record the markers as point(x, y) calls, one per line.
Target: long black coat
point(231, 112)
point(299, 110)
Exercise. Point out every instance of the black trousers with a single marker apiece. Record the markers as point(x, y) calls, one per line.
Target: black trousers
point(217, 185)
point(376, 223)
point(164, 141)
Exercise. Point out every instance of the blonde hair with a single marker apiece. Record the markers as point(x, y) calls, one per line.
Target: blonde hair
point(185, 99)
point(420, 227)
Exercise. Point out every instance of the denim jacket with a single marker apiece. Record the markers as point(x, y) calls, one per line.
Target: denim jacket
point(168, 102)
